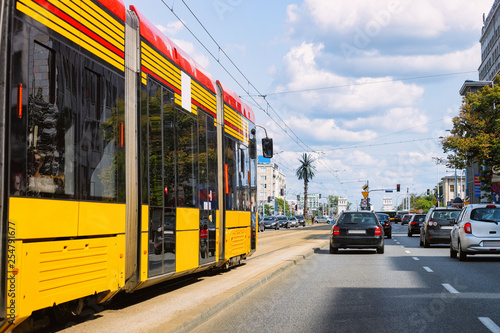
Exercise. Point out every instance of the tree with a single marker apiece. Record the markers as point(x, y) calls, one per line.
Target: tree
point(475, 137)
point(305, 172)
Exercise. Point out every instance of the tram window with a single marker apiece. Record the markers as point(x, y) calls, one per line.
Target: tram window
point(169, 152)
point(212, 158)
point(99, 167)
point(51, 124)
point(203, 161)
point(187, 160)
point(156, 188)
point(231, 167)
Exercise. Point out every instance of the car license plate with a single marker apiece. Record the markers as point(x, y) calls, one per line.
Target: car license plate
point(356, 232)
point(446, 227)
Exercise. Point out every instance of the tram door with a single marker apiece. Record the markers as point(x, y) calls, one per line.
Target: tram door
point(161, 178)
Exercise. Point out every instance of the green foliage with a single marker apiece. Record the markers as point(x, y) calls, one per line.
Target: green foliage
point(475, 137)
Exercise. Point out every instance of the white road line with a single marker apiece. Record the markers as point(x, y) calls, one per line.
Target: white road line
point(428, 270)
point(407, 251)
point(490, 324)
point(450, 288)
point(416, 259)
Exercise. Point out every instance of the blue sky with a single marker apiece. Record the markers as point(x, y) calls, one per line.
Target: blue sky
point(366, 87)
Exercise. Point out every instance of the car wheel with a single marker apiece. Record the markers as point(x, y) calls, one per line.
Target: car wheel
point(333, 250)
point(389, 235)
point(426, 243)
point(453, 253)
point(462, 256)
point(380, 250)
point(421, 243)
point(410, 234)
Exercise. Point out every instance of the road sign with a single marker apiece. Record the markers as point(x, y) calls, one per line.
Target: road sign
point(495, 187)
point(365, 194)
point(365, 188)
point(364, 202)
point(495, 169)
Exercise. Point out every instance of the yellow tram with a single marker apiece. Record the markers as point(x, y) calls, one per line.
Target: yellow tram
point(125, 164)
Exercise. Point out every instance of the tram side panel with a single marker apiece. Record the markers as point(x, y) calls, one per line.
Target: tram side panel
point(178, 160)
point(66, 164)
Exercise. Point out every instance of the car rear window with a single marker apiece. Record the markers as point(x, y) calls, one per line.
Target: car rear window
point(357, 218)
point(419, 218)
point(486, 214)
point(444, 217)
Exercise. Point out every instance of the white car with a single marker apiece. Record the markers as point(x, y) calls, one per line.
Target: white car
point(476, 231)
point(323, 219)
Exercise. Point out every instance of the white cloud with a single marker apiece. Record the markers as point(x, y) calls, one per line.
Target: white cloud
point(327, 131)
point(419, 18)
point(457, 61)
point(396, 119)
point(171, 29)
point(343, 94)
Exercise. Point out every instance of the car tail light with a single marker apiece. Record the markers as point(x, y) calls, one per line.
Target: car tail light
point(378, 231)
point(468, 228)
point(414, 223)
point(386, 223)
point(336, 231)
point(491, 206)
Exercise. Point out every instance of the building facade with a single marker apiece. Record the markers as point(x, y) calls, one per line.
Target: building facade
point(453, 187)
point(271, 183)
point(489, 68)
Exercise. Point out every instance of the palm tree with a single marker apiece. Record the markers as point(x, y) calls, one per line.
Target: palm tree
point(306, 172)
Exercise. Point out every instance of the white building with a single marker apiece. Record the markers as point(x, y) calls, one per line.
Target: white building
point(342, 205)
point(452, 191)
point(271, 182)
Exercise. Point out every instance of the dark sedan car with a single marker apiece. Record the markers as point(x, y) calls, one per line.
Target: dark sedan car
point(270, 222)
point(385, 220)
point(284, 222)
point(436, 228)
point(415, 224)
point(302, 221)
point(360, 230)
point(406, 219)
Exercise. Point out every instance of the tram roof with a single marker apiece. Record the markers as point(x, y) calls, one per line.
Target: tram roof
point(233, 100)
point(117, 7)
point(152, 34)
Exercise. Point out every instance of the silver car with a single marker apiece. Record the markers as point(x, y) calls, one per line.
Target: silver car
point(476, 231)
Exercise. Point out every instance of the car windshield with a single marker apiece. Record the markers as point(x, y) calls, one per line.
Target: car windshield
point(383, 217)
point(268, 218)
point(357, 218)
point(444, 216)
point(486, 214)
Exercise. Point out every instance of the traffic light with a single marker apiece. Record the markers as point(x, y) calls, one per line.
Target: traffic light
point(268, 199)
point(428, 192)
point(398, 188)
point(267, 147)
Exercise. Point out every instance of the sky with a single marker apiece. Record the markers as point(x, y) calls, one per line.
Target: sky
point(367, 88)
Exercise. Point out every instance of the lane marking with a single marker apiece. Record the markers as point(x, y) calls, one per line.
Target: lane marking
point(490, 324)
point(450, 288)
point(416, 259)
point(429, 270)
point(407, 251)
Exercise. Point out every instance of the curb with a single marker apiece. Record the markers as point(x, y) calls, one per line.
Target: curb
point(206, 314)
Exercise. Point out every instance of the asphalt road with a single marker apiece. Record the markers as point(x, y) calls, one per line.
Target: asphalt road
point(407, 289)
